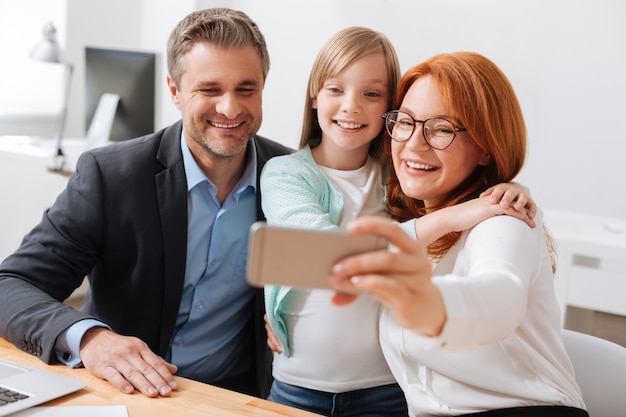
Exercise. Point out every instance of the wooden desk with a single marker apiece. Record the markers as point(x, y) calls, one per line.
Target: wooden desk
point(191, 399)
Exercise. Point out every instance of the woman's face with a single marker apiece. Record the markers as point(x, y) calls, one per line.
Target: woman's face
point(425, 173)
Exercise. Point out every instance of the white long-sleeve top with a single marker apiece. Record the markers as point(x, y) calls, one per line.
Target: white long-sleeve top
point(501, 345)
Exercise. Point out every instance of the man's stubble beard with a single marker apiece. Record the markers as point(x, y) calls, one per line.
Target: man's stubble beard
point(213, 153)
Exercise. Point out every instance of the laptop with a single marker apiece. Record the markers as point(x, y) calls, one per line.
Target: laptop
point(22, 386)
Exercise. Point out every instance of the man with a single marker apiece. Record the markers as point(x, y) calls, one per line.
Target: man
point(159, 224)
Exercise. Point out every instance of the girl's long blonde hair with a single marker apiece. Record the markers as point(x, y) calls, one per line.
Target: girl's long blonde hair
point(342, 49)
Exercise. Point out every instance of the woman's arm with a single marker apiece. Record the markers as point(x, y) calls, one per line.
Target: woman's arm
point(504, 257)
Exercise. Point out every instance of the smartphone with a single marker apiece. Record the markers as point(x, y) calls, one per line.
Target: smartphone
point(301, 257)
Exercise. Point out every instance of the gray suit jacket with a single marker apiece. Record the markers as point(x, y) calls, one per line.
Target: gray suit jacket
point(122, 220)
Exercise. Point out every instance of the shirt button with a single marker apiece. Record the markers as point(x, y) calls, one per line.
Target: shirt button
point(200, 306)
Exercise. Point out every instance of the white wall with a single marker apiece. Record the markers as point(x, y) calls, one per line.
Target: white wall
point(22, 79)
point(564, 57)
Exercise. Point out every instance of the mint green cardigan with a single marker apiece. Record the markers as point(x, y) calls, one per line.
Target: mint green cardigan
point(295, 192)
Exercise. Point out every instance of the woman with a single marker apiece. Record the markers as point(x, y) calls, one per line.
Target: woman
point(471, 324)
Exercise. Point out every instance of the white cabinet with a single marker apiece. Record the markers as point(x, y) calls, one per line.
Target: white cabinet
point(591, 269)
point(27, 186)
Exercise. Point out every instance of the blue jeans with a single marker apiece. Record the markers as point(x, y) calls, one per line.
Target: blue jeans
point(383, 401)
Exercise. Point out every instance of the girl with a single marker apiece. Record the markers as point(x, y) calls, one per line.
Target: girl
point(331, 362)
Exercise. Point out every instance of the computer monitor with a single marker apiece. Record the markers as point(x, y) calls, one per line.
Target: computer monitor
point(131, 75)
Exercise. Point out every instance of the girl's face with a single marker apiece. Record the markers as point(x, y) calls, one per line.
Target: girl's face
point(349, 108)
point(425, 173)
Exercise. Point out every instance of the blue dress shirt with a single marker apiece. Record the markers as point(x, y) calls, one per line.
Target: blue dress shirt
point(208, 342)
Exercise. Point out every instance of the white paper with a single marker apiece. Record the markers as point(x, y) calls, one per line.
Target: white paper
point(74, 411)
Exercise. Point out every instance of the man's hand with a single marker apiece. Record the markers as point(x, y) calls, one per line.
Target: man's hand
point(127, 363)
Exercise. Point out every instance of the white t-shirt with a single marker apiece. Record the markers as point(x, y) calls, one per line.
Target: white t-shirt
point(337, 349)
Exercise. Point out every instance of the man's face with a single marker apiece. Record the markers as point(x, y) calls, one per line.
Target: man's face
point(220, 98)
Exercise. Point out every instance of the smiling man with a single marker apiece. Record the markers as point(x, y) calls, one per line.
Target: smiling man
point(159, 224)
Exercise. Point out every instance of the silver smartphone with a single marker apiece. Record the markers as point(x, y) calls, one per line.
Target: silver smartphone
point(300, 257)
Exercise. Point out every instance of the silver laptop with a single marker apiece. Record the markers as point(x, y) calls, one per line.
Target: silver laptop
point(22, 386)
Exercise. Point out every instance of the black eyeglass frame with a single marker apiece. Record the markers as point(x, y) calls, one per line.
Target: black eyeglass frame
point(423, 122)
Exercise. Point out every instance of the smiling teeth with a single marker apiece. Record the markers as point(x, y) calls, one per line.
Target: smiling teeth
point(419, 166)
point(224, 126)
point(349, 125)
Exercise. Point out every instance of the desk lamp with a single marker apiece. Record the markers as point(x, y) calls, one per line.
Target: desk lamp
point(49, 50)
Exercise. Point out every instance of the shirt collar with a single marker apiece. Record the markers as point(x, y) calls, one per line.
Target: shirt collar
point(195, 175)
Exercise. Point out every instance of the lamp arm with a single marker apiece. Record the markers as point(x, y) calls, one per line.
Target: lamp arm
point(60, 156)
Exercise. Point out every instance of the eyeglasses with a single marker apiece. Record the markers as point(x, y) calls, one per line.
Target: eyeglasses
point(438, 133)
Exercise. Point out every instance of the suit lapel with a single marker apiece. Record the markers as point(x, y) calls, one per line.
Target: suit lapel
point(171, 187)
